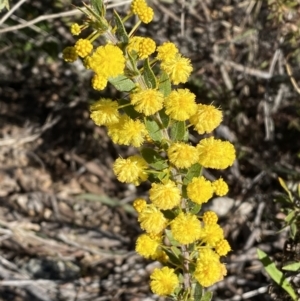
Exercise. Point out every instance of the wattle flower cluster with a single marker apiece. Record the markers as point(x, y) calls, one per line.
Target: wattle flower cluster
point(156, 119)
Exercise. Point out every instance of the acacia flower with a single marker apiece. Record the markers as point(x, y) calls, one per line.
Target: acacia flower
point(182, 155)
point(142, 10)
point(211, 234)
point(180, 104)
point(199, 190)
point(146, 246)
point(209, 269)
point(147, 101)
point(210, 218)
point(222, 247)
point(167, 51)
point(186, 228)
point(104, 112)
point(146, 47)
point(215, 153)
point(206, 118)
point(107, 61)
point(220, 187)
point(163, 281)
point(69, 54)
point(127, 131)
point(152, 220)
point(165, 195)
point(131, 170)
point(99, 82)
point(75, 29)
point(134, 44)
point(83, 47)
point(178, 69)
point(139, 204)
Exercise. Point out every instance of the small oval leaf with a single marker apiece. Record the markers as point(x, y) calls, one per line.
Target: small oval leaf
point(165, 84)
point(122, 83)
point(154, 159)
point(153, 130)
point(121, 31)
point(179, 131)
point(150, 78)
point(275, 274)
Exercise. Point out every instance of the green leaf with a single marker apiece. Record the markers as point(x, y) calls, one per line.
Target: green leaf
point(164, 175)
point(165, 119)
point(173, 259)
point(283, 185)
point(4, 3)
point(194, 171)
point(294, 267)
point(153, 130)
point(122, 83)
point(206, 297)
point(171, 239)
point(149, 76)
point(176, 252)
point(290, 217)
point(293, 230)
point(96, 15)
point(179, 131)
point(197, 291)
point(98, 7)
point(195, 208)
point(275, 274)
point(154, 159)
point(121, 31)
point(165, 84)
point(169, 214)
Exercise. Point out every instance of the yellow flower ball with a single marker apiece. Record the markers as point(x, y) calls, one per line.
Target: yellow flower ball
point(99, 82)
point(209, 271)
point(142, 10)
point(180, 104)
point(167, 51)
point(152, 220)
point(186, 228)
point(165, 195)
point(139, 204)
point(178, 69)
point(83, 47)
point(75, 29)
point(206, 118)
point(222, 247)
point(210, 218)
point(131, 170)
point(147, 101)
point(146, 47)
point(214, 153)
point(104, 112)
point(182, 155)
point(127, 131)
point(211, 234)
point(220, 187)
point(146, 246)
point(107, 61)
point(199, 190)
point(70, 55)
point(164, 281)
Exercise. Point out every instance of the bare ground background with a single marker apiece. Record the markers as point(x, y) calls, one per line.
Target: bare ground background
point(67, 229)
